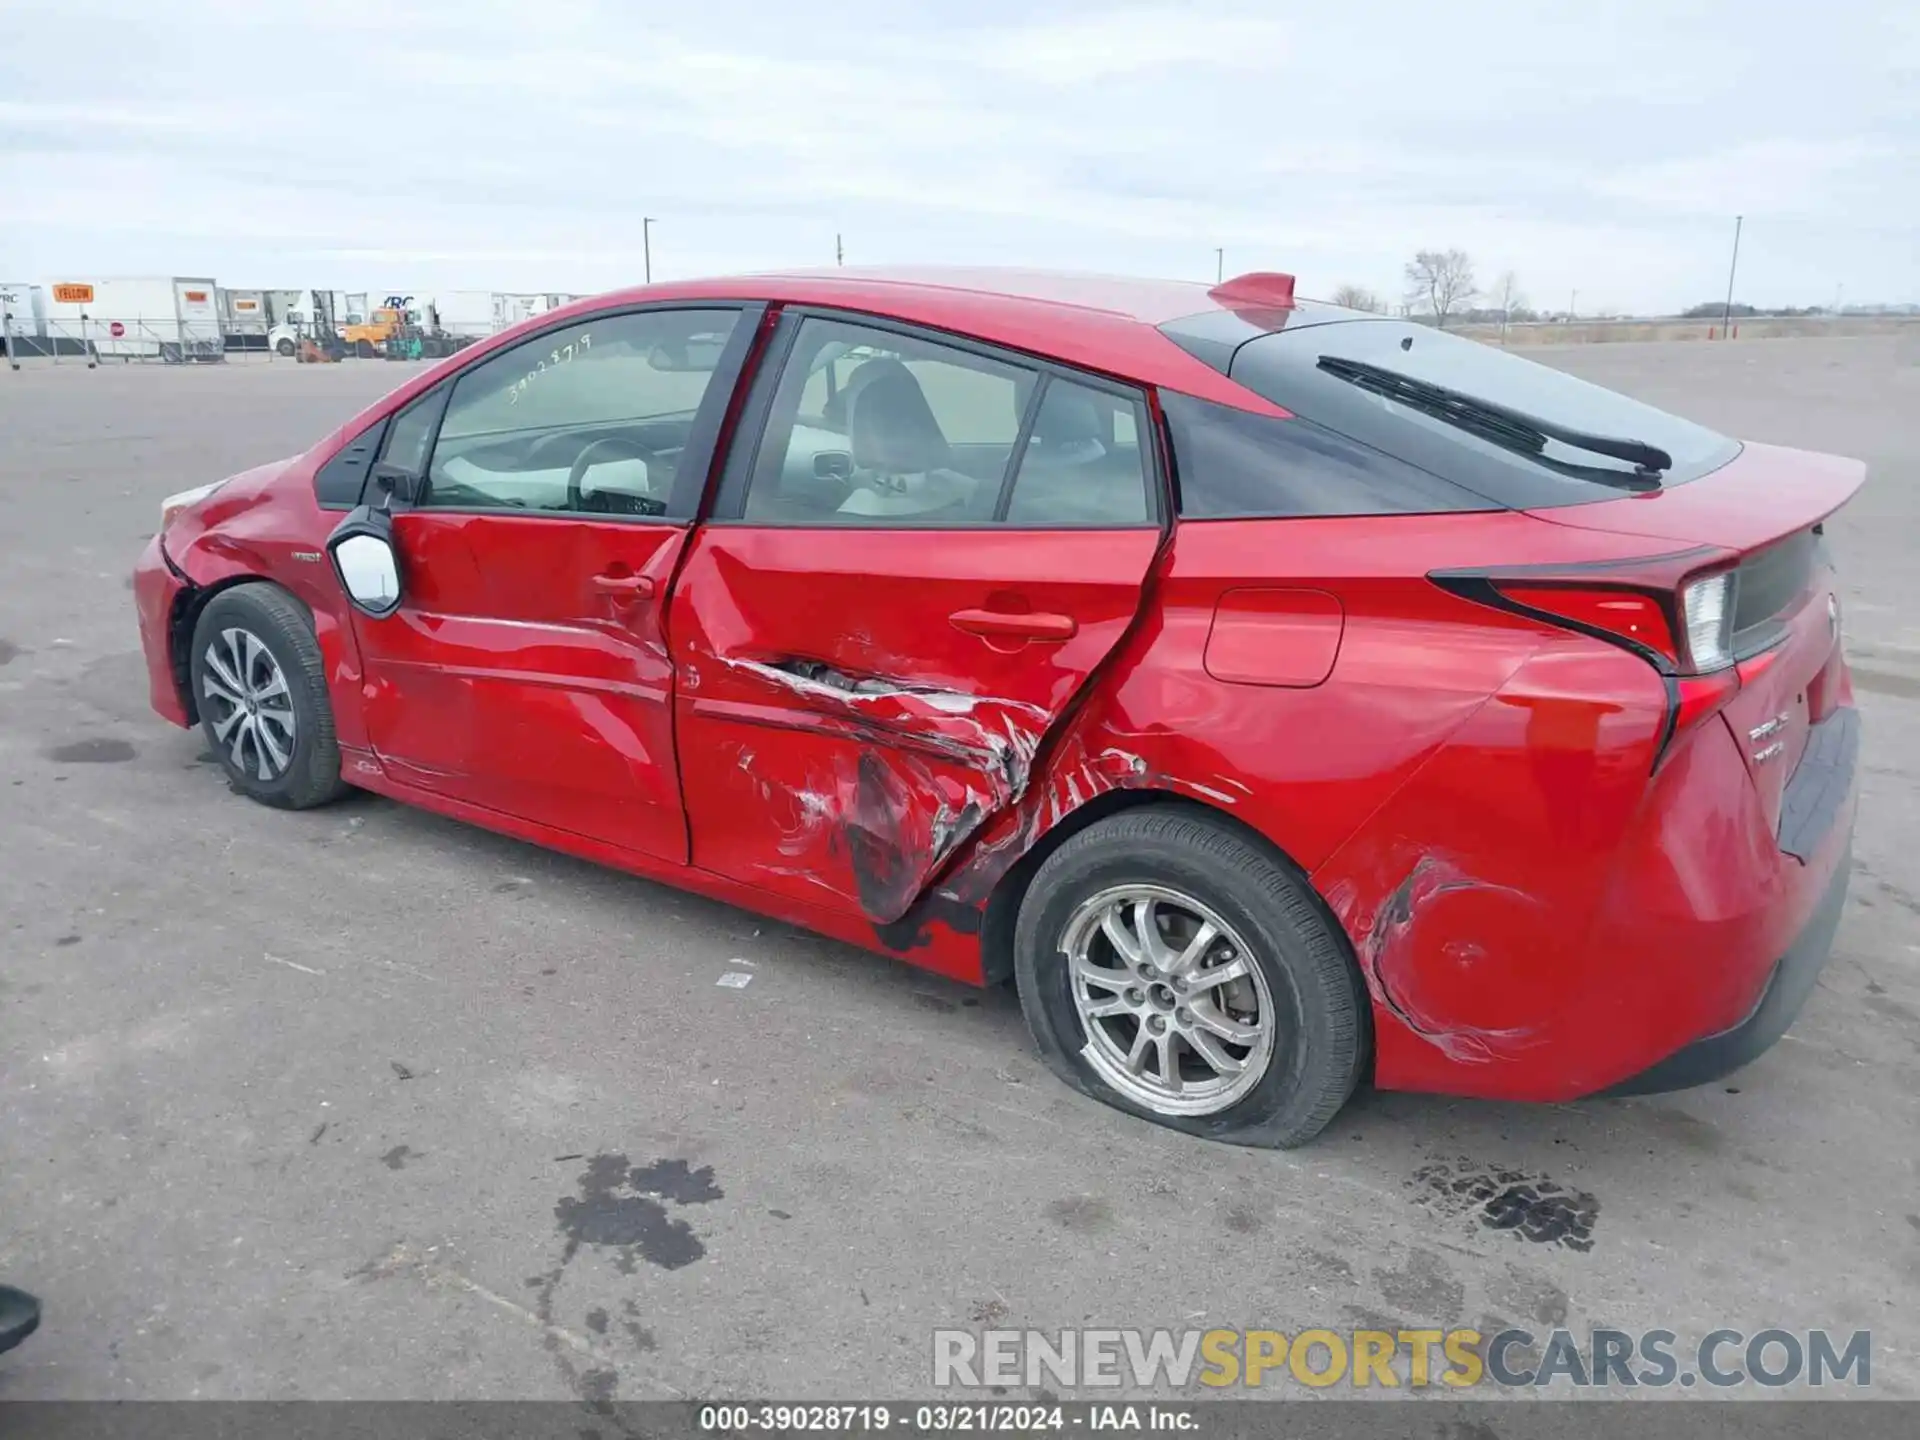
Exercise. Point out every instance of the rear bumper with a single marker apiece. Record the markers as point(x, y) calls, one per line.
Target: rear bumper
point(1547, 955)
point(1786, 991)
point(155, 590)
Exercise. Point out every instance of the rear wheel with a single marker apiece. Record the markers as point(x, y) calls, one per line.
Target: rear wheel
point(260, 687)
point(1174, 969)
point(364, 349)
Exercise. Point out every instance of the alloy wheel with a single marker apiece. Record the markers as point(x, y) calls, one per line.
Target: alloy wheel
point(1178, 1016)
point(248, 703)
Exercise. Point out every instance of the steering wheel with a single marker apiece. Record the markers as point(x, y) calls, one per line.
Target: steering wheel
point(603, 449)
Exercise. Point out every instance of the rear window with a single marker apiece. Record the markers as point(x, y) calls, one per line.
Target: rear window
point(1351, 378)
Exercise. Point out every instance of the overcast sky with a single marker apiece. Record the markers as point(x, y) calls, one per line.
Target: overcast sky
point(383, 144)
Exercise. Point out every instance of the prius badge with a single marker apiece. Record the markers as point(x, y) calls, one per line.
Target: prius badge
point(1769, 728)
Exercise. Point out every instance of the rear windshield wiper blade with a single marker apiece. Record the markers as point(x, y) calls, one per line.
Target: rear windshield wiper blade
point(1501, 424)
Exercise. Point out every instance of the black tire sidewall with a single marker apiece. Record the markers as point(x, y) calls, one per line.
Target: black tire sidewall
point(244, 607)
point(1304, 1060)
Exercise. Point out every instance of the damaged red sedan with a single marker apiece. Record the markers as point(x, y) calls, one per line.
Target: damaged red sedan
point(1279, 696)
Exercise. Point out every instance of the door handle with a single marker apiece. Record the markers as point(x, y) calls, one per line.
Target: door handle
point(627, 587)
point(1015, 625)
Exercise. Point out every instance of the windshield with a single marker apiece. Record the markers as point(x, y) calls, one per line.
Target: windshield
point(1312, 370)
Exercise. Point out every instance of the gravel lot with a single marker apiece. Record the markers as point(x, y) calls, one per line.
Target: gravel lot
point(319, 1105)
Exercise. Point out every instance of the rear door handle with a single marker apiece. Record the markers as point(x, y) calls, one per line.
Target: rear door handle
point(1017, 625)
point(627, 587)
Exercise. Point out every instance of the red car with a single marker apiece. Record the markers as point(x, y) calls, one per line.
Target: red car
point(1280, 696)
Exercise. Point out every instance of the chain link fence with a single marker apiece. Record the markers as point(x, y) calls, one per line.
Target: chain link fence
point(92, 341)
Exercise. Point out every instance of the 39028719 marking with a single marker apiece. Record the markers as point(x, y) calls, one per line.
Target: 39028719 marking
point(755, 1419)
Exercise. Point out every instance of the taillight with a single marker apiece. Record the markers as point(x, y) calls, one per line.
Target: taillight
point(1706, 608)
point(1698, 696)
point(1630, 615)
point(1679, 623)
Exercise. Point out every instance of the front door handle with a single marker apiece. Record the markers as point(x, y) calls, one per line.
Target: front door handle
point(1015, 625)
point(626, 587)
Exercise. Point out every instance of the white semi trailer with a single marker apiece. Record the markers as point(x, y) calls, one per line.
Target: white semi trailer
point(172, 318)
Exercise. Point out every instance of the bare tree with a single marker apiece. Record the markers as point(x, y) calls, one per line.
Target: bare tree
point(1358, 297)
point(1440, 282)
point(1507, 299)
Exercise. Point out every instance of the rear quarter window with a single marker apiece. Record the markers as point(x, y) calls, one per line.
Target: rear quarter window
point(1234, 464)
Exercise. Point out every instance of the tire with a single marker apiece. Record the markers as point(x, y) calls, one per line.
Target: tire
point(364, 349)
point(285, 347)
point(300, 774)
point(1308, 989)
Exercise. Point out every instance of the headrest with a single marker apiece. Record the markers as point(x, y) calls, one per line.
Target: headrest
point(1067, 417)
point(890, 426)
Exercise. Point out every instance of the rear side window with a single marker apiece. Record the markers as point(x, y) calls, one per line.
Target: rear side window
point(1082, 464)
point(877, 428)
point(1451, 407)
point(1233, 464)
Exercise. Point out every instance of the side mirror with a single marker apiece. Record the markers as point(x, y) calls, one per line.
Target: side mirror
point(365, 561)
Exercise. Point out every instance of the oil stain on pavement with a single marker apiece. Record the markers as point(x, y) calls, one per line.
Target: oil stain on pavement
point(621, 1206)
point(91, 752)
point(1533, 1207)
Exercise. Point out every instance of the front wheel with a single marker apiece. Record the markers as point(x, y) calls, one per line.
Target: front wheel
point(260, 687)
point(1173, 968)
point(284, 346)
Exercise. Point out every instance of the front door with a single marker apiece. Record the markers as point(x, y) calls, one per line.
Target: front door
point(920, 553)
point(527, 670)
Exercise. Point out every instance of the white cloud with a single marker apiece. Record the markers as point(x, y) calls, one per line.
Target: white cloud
point(1128, 41)
point(1785, 177)
point(445, 143)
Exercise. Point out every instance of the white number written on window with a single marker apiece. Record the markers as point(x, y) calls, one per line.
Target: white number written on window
point(554, 358)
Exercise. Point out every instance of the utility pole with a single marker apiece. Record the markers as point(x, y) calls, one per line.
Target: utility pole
point(1726, 316)
point(1219, 265)
point(646, 245)
point(839, 252)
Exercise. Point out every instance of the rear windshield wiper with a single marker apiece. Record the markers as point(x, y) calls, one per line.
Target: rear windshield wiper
point(1504, 426)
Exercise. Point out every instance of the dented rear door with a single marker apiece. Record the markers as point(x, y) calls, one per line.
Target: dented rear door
point(839, 734)
point(857, 694)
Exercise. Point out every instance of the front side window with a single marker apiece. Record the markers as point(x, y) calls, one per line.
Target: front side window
point(591, 418)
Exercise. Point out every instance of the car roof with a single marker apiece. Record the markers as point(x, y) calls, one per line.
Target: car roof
point(1103, 323)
